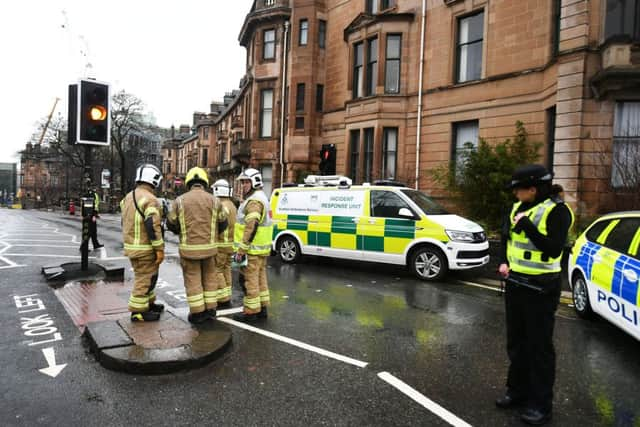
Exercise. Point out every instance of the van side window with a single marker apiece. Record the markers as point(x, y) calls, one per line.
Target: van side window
point(619, 239)
point(387, 204)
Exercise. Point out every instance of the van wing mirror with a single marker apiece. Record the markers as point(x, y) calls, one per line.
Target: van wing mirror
point(406, 213)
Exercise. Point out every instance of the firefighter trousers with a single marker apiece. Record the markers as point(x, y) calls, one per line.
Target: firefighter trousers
point(145, 271)
point(223, 276)
point(201, 283)
point(255, 282)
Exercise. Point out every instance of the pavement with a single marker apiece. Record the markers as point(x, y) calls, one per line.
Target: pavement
point(99, 308)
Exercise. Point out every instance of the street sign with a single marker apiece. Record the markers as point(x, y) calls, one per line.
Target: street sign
point(106, 178)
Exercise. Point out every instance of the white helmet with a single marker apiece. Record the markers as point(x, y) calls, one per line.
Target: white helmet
point(150, 174)
point(251, 174)
point(221, 188)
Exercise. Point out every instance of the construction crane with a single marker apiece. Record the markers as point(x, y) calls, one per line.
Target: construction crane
point(46, 125)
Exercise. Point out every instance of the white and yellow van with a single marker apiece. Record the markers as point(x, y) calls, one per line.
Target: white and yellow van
point(381, 223)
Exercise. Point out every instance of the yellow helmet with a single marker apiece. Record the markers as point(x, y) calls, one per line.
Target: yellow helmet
point(197, 174)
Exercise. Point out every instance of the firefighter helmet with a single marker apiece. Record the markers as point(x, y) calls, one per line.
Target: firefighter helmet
point(196, 175)
point(149, 174)
point(221, 188)
point(252, 175)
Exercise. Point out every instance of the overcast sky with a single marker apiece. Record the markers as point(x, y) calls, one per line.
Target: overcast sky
point(176, 56)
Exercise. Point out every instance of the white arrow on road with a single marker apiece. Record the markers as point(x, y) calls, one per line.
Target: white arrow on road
point(53, 370)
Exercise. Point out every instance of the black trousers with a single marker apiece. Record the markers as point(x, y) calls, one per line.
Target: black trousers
point(530, 317)
point(93, 232)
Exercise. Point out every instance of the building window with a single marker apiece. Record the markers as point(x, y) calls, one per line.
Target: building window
point(372, 66)
point(551, 136)
point(465, 135)
point(625, 171)
point(223, 152)
point(354, 149)
point(205, 156)
point(322, 33)
point(299, 122)
point(267, 178)
point(469, 47)
point(300, 97)
point(168, 154)
point(387, 4)
point(368, 155)
point(269, 2)
point(555, 46)
point(623, 19)
point(304, 32)
point(205, 133)
point(319, 98)
point(389, 150)
point(357, 70)
point(266, 112)
point(371, 6)
point(269, 46)
point(392, 64)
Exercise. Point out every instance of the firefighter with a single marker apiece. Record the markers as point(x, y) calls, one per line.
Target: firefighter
point(252, 241)
point(223, 191)
point(198, 217)
point(533, 238)
point(143, 243)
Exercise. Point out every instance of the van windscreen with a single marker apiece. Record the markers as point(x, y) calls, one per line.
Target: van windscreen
point(425, 203)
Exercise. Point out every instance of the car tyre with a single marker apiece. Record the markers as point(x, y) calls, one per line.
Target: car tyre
point(428, 263)
point(288, 249)
point(580, 295)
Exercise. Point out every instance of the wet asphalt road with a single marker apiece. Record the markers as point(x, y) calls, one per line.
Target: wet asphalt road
point(444, 340)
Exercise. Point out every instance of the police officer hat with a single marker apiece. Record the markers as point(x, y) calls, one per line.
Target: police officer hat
point(529, 176)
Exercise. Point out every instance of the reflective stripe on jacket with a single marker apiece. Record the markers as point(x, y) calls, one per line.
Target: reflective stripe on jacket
point(254, 242)
point(524, 257)
point(197, 213)
point(136, 239)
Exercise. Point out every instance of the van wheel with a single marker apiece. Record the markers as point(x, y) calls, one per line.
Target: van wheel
point(429, 263)
point(581, 297)
point(288, 249)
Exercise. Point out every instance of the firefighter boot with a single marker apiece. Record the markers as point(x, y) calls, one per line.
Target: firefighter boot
point(211, 313)
point(246, 318)
point(145, 316)
point(158, 308)
point(263, 313)
point(196, 318)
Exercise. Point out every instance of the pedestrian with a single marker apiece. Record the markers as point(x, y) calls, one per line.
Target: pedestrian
point(143, 242)
point(252, 242)
point(198, 217)
point(93, 222)
point(223, 191)
point(533, 238)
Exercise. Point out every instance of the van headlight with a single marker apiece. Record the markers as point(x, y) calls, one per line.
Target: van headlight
point(460, 236)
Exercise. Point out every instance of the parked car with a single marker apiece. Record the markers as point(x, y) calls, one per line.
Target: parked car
point(604, 271)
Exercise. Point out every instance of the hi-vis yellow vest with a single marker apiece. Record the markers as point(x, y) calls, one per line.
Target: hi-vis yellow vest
point(522, 254)
point(261, 244)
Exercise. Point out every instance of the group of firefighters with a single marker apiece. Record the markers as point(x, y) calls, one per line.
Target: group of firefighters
point(212, 234)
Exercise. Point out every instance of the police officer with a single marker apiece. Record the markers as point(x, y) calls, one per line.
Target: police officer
point(533, 237)
point(252, 239)
point(143, 243)
point(222, 190)
point(198, 217)
point(93, 223)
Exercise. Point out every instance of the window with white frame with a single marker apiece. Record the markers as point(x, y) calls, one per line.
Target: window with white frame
point(267, 178)
point(266, 112)
point(269, 44)
point(625, 163)
point(358, 62)
point(304, 32)
point(465, 138)
point(469, 47)
point(392, 63)
point(389, 150)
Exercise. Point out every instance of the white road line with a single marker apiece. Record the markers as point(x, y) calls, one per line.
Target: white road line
point(46, 246)
point(295, 343)
point(51, 256)
point(478, 285)
point(423, 400)
point(35, 240)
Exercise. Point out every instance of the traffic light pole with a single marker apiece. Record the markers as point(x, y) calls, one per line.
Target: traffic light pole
point(86, 211)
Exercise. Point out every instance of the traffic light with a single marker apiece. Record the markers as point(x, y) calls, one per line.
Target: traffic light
point(92, 113)
point(328, 159)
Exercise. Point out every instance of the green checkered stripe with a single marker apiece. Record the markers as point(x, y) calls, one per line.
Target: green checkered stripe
point(342, 233)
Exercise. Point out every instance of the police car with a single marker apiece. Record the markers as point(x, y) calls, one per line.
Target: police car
point(380, 222)
point(604, 270)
